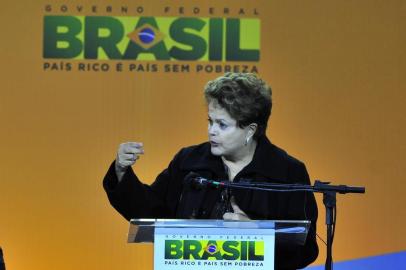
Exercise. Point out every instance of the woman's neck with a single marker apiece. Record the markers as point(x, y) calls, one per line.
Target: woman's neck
point(235, 163)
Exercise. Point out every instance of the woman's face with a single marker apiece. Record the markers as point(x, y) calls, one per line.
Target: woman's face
point(225, 137)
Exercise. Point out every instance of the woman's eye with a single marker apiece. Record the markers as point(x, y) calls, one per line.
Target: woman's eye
point(222, 125)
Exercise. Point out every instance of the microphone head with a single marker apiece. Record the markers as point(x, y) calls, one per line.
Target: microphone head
point(194, 180)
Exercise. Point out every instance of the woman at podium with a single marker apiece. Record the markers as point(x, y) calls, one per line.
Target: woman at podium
point(239, 106)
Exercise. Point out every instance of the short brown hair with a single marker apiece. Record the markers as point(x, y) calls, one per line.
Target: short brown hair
point(247, 99)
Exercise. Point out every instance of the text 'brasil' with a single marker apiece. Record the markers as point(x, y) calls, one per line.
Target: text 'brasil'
point(214, 250)
point(151, 38)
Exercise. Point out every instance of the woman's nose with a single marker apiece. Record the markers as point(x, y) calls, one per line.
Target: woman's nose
point(212, 130)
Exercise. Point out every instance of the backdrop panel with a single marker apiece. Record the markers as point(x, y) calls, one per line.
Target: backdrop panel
point(337, 73)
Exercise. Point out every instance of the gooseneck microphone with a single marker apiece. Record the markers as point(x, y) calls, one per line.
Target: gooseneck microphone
point(318, 186)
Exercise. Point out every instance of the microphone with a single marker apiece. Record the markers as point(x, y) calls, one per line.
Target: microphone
point(195, 181)
point(199, 181)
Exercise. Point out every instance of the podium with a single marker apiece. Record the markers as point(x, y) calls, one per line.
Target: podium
point(197, 244)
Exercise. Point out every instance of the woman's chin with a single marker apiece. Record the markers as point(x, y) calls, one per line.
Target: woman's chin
point(215, 151)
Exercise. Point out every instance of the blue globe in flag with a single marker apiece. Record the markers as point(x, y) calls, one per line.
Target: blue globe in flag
point(146, 35)
point(211, 249)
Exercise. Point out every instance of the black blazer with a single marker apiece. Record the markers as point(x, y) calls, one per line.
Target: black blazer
point(170, 196)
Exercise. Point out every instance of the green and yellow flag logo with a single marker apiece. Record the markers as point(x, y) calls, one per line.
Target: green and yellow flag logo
point(151, 38)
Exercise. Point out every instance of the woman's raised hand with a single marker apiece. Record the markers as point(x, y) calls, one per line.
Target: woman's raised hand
point(127, 154)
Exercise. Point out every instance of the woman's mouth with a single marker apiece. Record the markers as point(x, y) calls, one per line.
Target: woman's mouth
point(214, 144)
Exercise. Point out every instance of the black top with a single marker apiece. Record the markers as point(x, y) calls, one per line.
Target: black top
point(2, 264)
point(171, 197)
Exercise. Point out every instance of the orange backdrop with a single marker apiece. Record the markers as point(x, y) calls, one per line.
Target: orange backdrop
point(336, 71)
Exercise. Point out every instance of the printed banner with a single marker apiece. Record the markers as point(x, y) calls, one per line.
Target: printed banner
point(214, 249)
point(150, 44)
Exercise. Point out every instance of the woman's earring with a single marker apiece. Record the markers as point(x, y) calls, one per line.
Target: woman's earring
point(247, 141)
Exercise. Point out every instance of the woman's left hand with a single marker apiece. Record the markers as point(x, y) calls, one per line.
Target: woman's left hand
point(238, 213)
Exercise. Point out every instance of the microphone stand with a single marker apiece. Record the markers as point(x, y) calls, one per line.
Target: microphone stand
point(329, 200)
